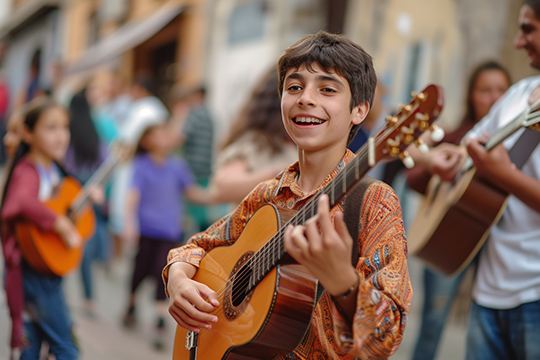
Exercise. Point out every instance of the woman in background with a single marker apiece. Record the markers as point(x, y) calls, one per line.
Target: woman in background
point(486, 84)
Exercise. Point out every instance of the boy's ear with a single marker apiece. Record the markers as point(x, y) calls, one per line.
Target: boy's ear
point(360, 113)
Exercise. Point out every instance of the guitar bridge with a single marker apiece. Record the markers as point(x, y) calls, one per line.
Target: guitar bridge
point(191, 340)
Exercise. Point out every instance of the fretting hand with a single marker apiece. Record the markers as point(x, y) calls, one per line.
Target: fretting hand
point(325, 253)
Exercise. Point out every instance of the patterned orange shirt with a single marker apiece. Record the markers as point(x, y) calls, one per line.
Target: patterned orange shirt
point(384, 293)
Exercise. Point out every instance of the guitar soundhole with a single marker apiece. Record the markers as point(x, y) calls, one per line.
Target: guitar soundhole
point(238, 295)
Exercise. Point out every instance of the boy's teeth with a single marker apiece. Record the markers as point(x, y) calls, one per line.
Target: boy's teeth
point(309, 120)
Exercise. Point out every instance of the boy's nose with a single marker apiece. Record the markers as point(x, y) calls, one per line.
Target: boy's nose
point(307, 98)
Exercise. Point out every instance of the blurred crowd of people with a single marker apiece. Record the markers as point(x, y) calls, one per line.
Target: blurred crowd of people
point(157, 173)
point(164, 181)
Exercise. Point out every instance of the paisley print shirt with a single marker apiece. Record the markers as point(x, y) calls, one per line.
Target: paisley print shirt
point(384, 293)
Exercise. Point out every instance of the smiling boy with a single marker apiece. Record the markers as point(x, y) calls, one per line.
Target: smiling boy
point(326, 87)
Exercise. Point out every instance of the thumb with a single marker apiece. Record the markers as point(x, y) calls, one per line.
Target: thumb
point(210, 295)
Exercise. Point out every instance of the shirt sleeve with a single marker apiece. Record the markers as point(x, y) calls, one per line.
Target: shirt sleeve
point(185, 175)
point(384, 292)
point(224, 232)
point(22, 199)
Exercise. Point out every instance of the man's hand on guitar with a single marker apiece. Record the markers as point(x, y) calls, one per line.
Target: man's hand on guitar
point(68, 232)
point(494, 164)
point(445, 160)
point(191, 303)
point(325, 253)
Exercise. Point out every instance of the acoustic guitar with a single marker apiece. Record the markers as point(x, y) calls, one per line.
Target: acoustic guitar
point(454, 219)
point(44, 250)
point(266, 299)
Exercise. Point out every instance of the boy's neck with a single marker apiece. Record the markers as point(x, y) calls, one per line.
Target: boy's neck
point(39, 159)
point(315, 167)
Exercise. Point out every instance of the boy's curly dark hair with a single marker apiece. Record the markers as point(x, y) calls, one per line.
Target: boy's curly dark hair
point(333, 52)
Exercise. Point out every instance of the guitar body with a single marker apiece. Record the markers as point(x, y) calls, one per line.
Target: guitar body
point(453, 222)
point(44, 250)
point(269, 321)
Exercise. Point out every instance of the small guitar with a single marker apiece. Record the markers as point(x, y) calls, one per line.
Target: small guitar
point(454, 220)
point(267, 300)
point(44, 250)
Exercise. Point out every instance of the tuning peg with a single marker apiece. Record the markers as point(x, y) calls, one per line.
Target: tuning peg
point(405, 108)
point(421, 116)
point(408, 132)
point(422, 146)
point(421, 96)
point(437, 133)
point(407, 159)
point(391, 119)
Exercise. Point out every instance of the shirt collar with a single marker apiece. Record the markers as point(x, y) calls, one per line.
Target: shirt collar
point(288, 177)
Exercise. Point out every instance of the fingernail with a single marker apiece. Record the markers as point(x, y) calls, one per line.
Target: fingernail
point(208, 327)
point(215, 319)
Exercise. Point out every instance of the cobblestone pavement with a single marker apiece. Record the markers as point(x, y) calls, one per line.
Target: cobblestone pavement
point(103, 337)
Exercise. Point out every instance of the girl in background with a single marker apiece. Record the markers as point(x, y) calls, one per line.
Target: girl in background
point(32, 177)
point(257, 147)
point(86, 153)
point(159, 184)
point(486, 84)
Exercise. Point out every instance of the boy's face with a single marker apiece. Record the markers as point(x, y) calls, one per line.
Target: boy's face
point(316, 109)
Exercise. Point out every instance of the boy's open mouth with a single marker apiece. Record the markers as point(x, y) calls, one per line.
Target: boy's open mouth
point(301, 120)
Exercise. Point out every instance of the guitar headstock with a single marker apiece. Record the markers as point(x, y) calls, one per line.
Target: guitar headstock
point(406, 127)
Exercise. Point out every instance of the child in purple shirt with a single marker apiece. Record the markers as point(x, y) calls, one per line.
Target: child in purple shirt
point(160, 183)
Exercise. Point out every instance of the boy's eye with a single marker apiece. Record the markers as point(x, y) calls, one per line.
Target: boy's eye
point(294, 88)
point(326, 89)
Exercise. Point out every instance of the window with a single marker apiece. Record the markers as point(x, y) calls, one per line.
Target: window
point(247, 22)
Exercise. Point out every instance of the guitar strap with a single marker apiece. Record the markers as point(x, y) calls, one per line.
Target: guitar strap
point(351, 215)
point(523, 148)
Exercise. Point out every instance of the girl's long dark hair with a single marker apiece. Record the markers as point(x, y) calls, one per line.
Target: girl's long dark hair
point(35, 109)
point(470, 114)
point(84, 137)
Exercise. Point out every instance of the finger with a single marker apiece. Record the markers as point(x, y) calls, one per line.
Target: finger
point(195, 315)
point(210, 295)
point(323, 210)
point(299, 241)
point(314, 238)
point(288, 243)
point(185, 320)
point(201, 301)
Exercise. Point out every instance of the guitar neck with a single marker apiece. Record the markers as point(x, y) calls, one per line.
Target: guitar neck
point(506, 131)
point(99, 178)
point(400, 131)
point(264, 260)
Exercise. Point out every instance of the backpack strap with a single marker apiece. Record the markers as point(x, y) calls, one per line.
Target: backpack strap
point(351, 215)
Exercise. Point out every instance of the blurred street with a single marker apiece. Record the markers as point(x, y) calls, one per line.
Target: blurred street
point(104, 337)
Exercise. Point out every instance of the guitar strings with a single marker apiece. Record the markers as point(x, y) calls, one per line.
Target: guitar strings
point(272, 245)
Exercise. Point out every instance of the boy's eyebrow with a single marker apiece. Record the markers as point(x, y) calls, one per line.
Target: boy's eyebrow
point(325, 77)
